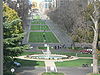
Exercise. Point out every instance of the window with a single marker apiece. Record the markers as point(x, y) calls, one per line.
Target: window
point(46, 5)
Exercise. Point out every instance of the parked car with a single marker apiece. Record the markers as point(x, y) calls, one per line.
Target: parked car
point(87, 51)
point(17, 64)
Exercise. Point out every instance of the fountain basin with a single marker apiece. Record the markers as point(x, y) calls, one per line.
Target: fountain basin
point(52, 57)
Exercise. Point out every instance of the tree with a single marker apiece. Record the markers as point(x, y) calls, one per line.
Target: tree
point(93, 15)
point(13, 35)
point(69, 17)
point(95, 19)
point(9, 14)
point(22, 8)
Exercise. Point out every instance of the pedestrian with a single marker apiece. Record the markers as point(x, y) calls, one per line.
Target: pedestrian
point(83, 65)
point(58, 46)
point(55, 47)
point(86, 65)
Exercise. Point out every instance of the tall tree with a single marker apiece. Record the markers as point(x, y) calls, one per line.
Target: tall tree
point(13, 35)
point(95, 16)
point(1, 39)
point(22, 8)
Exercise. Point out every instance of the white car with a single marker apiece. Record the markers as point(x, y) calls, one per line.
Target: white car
point(31, 47)
point(89, 49)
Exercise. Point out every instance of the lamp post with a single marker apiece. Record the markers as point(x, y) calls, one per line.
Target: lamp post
point(12, 70)
point(1, 38)
point(44, 37)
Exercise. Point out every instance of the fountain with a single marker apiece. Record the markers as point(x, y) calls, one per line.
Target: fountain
point(48, 58)
point(47, 53)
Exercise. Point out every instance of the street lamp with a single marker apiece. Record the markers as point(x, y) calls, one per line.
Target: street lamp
point(12, 70)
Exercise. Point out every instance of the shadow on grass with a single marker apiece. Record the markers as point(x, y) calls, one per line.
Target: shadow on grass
point(28, 65)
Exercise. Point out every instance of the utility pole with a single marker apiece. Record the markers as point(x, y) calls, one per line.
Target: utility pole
point(1, 37)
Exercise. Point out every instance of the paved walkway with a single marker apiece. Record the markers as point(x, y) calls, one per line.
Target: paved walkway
point(39, 31)
point(50, 66)
point(65, 70)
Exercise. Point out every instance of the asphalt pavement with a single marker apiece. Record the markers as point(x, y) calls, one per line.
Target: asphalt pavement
point(65, 70)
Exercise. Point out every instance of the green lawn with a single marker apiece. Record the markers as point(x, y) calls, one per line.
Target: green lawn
point(30, 62)
point(45, 48)
point(37, 17)
point(52, 73)
point(39, 27)
point(53, 52)
point(29, 53)
point(38, 37)
point(92, 74)
point(63, 53)
point(72, 54)
point(95, 74)
point(74, 63)
point(39, 21)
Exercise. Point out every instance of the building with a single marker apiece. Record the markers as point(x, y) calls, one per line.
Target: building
point(61, 3)
point(47, 5)
point(34, 5)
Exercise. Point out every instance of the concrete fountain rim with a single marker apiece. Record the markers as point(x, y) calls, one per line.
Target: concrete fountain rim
point(60, 60)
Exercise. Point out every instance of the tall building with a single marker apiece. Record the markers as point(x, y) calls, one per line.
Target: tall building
point(47, 5)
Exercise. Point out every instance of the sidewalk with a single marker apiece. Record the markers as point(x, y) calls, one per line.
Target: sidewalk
point(50, 66)
point(65, 70)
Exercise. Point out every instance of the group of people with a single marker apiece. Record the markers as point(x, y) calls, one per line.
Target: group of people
point(85, 65)
point(60, 46)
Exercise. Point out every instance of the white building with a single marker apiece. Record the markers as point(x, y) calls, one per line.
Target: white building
point(46, 5)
